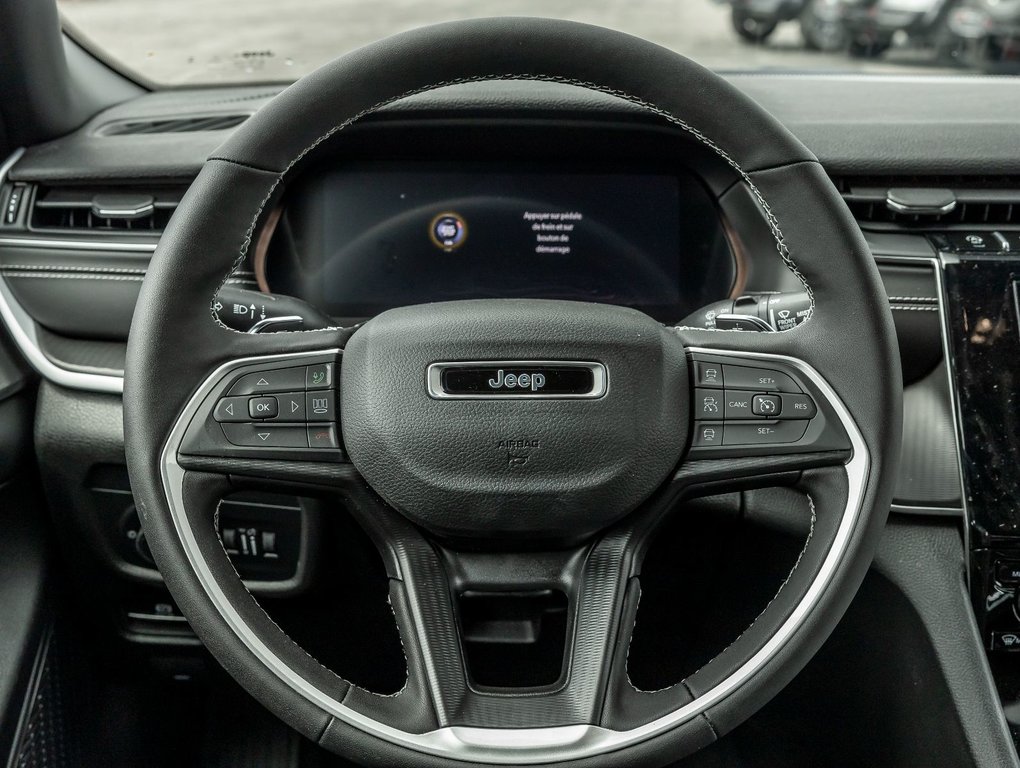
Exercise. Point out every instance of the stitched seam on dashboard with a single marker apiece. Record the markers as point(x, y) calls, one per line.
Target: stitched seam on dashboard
point(72, 276)
point(770, 217)
point(71, 268)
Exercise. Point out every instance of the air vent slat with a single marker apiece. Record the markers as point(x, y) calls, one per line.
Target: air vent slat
point(981, 201)
point(189, 124)
point(71, 209)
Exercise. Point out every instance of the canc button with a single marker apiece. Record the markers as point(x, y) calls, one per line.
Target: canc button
point(738, 404)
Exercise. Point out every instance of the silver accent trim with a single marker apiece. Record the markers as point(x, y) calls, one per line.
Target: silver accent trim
point(269, 322)
point(759, 324)
point(75, 245)
point(599, 387)
point(124, 213)
point(523, 746)
point(25, 333)
point(923, 509)
point(920, 210)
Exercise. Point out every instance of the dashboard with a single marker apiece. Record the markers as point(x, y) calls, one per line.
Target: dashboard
point(540, 191)
point(537, 191)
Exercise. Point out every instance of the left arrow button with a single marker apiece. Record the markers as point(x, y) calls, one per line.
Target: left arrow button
point(230, 409)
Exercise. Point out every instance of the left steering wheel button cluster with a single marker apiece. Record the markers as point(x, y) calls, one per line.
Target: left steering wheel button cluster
point(272, 412)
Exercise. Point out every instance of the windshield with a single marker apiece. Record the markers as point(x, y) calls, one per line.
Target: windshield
point(182, 42)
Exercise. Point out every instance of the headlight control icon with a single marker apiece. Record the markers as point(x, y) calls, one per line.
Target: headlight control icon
point(448, 231)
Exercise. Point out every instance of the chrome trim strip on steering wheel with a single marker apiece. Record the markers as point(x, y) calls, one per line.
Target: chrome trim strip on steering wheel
point(521, 746)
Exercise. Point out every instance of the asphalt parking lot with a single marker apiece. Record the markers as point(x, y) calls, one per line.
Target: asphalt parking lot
point(194, 41)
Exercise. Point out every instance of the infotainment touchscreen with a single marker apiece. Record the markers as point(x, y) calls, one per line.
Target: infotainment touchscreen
point(374, 239)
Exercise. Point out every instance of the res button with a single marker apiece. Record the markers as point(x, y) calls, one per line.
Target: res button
point(798, 407)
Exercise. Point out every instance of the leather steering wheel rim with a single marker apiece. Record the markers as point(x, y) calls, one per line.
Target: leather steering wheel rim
point(847, 349)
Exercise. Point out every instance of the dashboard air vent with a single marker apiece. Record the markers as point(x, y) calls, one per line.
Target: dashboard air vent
point(190, 124)
point(971, 201)
point(104, 209)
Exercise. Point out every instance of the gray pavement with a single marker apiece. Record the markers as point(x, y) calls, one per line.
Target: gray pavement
point(196, 41)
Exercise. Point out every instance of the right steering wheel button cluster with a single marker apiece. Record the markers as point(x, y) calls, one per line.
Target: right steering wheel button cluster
point(750, 408)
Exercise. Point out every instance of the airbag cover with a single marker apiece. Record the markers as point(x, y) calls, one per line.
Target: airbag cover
point(519, 466)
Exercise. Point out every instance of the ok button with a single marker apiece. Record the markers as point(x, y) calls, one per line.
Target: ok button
point(263, 408)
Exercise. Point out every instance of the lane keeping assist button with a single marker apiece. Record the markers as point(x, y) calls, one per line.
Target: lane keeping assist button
point(763, 433)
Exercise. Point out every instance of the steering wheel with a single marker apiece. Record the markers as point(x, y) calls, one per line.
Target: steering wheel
point(513, 445)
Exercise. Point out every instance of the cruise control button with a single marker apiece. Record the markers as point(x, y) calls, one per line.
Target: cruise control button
point(292, 407)
point(263, 407)
point(738, 405)
point(231, 409)
point(766, 405)
point(708, 374)
point(319, 376)
point(322, 436)
point(266, 435)
point(739, 377)
point(798, 407)
point(708, 434)
point(279, 380)
point(321, 406)
point(708, 404)
point(763, 433)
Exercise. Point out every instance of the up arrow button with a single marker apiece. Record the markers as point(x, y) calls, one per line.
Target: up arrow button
point(270, 381)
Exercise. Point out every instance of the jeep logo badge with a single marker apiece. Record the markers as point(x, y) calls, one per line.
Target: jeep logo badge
point(532, 381)
point(517, 379)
